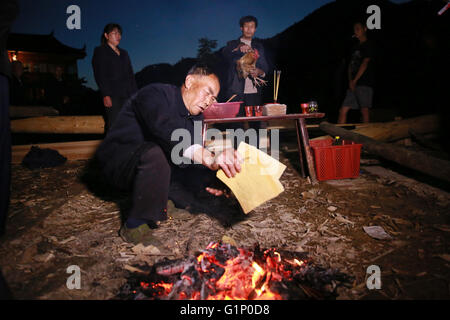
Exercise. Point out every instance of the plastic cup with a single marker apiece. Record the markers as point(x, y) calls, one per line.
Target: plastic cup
point(305, 107)
point(258, 111)
point(248, 111)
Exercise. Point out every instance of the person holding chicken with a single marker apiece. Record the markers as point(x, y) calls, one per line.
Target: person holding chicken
point(247, 64)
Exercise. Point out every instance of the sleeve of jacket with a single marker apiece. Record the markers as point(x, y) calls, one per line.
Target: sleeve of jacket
point(263, 62)
point(100, 66)
point(133, 84)
point(229, 55)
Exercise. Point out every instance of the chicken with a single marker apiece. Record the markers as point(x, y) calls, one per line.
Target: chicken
point(246, 64)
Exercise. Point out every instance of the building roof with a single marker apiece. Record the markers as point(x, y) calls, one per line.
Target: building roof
point(44, 43)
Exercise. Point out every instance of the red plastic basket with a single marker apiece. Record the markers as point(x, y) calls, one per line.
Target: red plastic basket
point(336, 162)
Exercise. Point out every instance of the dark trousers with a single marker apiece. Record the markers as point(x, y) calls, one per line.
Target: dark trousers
point(156, 181)
point(5, 151)
point(113, 112)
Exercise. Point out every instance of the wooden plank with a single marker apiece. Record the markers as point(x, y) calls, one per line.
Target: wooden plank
point(60, 125)
point(31, 111)
point(76, 150)
point(396, 130)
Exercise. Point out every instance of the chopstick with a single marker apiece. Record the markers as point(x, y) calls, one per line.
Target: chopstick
point(231, 98)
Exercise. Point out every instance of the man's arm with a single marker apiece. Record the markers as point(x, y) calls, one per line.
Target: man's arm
point(263, 62)
point(230, 54)
point(362, 69)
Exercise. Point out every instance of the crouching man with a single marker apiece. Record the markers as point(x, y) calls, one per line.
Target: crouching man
point(136, 152)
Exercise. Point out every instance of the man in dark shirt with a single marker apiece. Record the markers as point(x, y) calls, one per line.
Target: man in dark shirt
point(16, 85)
point(360, 75)
point(139, 150)
point(245, 89)
point(57, 92)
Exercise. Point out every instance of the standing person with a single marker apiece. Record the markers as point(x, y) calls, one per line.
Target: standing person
point(138, 152)
point(245, 89)
point(360, 75)
point(58, 91)
point(113, 72)
point(16, 85)
point(9, 10)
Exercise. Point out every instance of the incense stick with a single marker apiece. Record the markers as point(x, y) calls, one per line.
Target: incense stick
point(274, 84)
point(278, 84)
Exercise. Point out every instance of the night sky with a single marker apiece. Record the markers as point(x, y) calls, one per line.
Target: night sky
point(158, 31)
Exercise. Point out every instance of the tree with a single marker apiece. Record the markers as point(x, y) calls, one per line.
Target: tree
point(205, 48)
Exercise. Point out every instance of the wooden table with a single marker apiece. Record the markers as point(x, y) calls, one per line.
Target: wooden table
point(302, 134)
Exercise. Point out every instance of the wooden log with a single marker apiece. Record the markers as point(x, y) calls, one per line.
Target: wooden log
point(31, 111)
point(419, 161)
point(77, 150)
point(61, 125)
point(395, 130)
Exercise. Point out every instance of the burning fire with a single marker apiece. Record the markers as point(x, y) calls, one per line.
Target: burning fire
point(223, 272)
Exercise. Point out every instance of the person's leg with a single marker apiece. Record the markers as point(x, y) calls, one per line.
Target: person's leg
point(365, 115)
point(151, 187)
point(348, 103)
point(364, 95)
point(5, 152)
point(343, 114)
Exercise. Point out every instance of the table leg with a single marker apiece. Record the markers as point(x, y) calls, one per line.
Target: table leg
point(309, 156)
point(302, 167)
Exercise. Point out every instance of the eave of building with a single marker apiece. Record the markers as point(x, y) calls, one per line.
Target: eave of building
point(38, 43)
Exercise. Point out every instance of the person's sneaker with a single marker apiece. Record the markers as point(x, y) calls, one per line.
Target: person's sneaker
point(175, 212)
point(142, 234)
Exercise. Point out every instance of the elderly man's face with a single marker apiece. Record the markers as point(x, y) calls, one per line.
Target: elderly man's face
point(200, 92)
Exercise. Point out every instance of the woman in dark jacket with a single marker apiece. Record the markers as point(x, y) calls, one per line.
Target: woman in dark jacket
point(113, 72)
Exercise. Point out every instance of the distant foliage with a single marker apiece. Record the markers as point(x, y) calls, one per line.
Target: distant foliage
point(205, 48)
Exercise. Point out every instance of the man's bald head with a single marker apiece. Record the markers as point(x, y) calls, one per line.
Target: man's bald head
point(200, 89)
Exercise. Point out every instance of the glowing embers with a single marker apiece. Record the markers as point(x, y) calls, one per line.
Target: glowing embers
point(222, 271)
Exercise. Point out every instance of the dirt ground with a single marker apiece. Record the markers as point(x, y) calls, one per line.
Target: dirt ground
point(59, 218)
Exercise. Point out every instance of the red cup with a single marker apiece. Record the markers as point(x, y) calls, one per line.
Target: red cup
point(258, 111)
point(248, 111)
point(305, 107)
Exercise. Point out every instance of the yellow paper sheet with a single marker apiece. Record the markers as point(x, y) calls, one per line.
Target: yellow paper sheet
point(258, 180)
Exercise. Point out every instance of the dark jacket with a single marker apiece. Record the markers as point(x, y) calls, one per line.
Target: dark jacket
point(235, 84)
point(113, 73)
point(150, 115)
point(9, 9)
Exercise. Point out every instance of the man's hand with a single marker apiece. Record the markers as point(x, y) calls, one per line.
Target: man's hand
point(245, 48)
point(229, 161)
point(107, 101)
